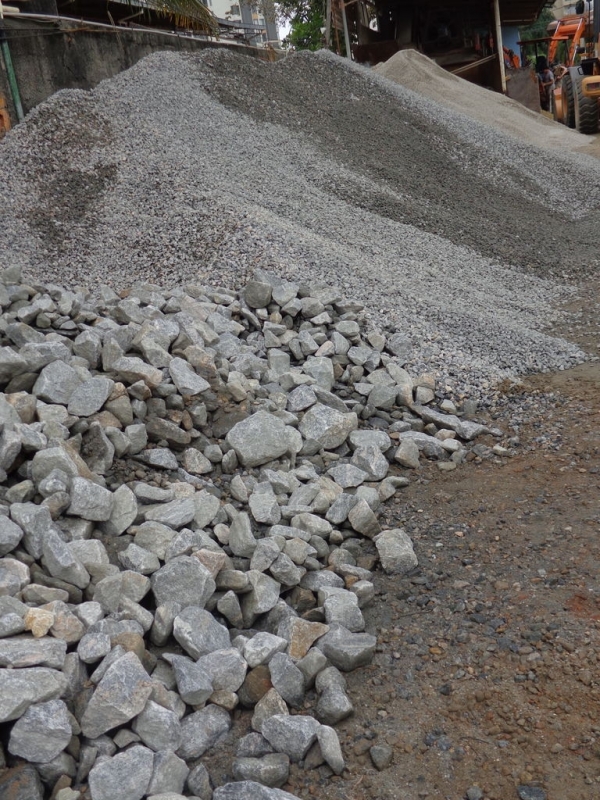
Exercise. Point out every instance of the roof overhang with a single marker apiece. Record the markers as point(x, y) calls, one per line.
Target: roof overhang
point(512, 12)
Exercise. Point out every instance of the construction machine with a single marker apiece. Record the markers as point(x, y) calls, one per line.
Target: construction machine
point(575, 97)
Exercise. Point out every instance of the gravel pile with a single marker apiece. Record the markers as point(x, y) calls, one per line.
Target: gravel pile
point(417, 72)
point(189, 478)
point(208, 167)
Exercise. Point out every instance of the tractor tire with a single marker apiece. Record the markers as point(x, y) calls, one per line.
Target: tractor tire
point(568, 102)
point(586, 112)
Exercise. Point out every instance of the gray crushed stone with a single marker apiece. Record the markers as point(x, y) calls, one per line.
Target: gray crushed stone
point(310, 167)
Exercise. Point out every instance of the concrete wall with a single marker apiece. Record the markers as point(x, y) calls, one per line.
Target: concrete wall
point(57, 54)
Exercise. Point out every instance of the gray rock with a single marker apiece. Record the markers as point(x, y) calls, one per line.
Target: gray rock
point(264, 506)
point(202, 730)
point(261, 598)
point(340, 508)
point(407, 455)
point(464, 428)
point(272, 769)
point(372, 461)
point(428, 445)
point(56, 383)
point(396, 552)
point(342, 608)
point(90, 396)
point(110, 591)
point(250, 790)
point(10, 535)
point(169, 773)
point(124, 512)
point(381, 756)
point(291, 735)
point(258, 439)
point(23, 781)
point(121, 695)
point(348, 475)
point(327, 426)
point(331, 749)
point(11, 364)
point(269, 705)
point(262, 647)
point(253, 745)
point(363, 520)
point(199, 783)
point(287, 679)
point(160, 457)
point(35, 521)
point(61, 562)
point(301, 398)
point(93, 646)
point(226, 669)
point(42, 732)
point(229, 605)
point(347, 650)
point(241, 538)
point(183, 580)
point(199, 633)
point(188, 383)
point(126, 775)
point(285, 571)
point(193, 682)
point(370, 438)
point(21, 688)
point(195, 462)
point(175, 514)
point(158, 727)
point(526, 792)
point(25, 651)
point(257, 294)
point(90, 501)
point(138, 559)
point(207, 508)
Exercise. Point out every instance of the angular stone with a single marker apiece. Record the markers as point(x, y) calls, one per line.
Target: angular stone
point(10, 535)
point(291, 735)
point(11, 364)
point(342, 608)
point(270, 770)
point(42, 733)
point(93, 647)
point(90, 501)
point(134, 369)
point(126, 775)
point(23, 651)
point(158, 727)
point(90, 396)
point(372, 461)
point(175, 514)
point(287, 679)
point(250, 790)
point(257, 294)
point(35, 521)
point(159, 429)
point(20, 688)
point(407, 455)
point(262, 597)
point(230, 607)
point(264, 506)
point(363, 520)
point(193, 682)
point(327, 426)
point(202, 730)
point(258, 439)
point(121, 695)
point(169, 773)
point(139, 560)
point(207, 508)
point(199, 633)
point(188, 383)
point(226, 669)
point(124, 512)
point(285, 571)
point(262, 647)
point(241, 538)
point(183, 580)
point(269, 705)
point(195, 462)
point(127, 584)
point(23, 781)
point(396, 552)
point(347, 650)
point(331, 749)
point(56, 383)
point(61, 562)
point(464, 428)
point(428, 445)
point(348, 475)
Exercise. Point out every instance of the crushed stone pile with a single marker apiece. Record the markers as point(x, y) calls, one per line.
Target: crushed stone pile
point(421, 74)
point(189, 524)
point(207, 167)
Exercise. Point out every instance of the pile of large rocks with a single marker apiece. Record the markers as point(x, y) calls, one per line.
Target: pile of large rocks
point(187, 480)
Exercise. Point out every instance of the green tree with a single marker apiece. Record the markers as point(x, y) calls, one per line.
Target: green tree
point(306, 19)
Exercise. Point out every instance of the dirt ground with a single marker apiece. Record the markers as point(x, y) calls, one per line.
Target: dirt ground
point(487, 678)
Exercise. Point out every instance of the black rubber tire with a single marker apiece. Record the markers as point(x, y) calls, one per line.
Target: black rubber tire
point(586, 112)
point(568, 102)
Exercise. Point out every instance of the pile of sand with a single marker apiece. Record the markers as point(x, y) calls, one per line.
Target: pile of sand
point(417, 72)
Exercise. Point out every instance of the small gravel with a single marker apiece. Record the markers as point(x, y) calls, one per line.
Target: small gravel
point(190, 169)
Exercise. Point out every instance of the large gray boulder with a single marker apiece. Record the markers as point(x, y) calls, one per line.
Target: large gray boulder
point(396, 552)
point(120, 696)
point(126, 776)
point(327, 426)
point(42, 733)
point(21, 688)
point(183, 580)
point(259, 439)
